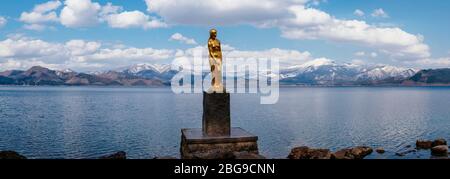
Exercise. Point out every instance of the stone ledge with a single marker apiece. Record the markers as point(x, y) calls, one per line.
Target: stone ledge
point(196, 136)
point(195, 145)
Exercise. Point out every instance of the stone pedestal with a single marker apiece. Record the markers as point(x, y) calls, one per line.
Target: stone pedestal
point(195, 145)
point(216, 139)
point(216, 114)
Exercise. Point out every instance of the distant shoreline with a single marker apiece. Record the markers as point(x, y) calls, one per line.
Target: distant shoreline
point(281, 86)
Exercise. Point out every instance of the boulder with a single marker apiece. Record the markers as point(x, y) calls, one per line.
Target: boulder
point(424, 144)
point(440, 150)
point(116, 156)
point(401, 154)
point(380, 150)
point(438, 142)
point(11, 155)
point(359, 152)
point(307, 153)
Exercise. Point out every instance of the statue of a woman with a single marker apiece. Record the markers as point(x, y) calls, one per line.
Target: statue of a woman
point(215, 61)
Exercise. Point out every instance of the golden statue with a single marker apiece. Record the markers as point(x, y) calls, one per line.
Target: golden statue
point(215, 61)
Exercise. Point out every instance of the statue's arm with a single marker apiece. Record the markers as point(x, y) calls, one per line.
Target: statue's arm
point(210, 49)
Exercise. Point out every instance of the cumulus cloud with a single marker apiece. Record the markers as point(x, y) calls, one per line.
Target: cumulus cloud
point(85, 13)
point(317, 2)
point(81, 47)
point(21, 52)
point(296, 21)
point(286, 57)
point(373, 54)
point(3, 21)
point(443, 62)
point(41, 15)
point(359, 12)
point(179, 37)
point(310, 23)
point(364, 54)
point(207, 12)
point(379, 13)
point(360, 54)
point(130, 19)
point(80, 13)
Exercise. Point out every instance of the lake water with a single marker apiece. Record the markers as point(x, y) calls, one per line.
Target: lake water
point(88, 122)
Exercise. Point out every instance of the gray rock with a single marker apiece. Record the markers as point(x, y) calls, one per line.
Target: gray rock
point(401, 154)
point(359, 152)
point(380, 150)
point(440, 150)
point(424, 144)
point(438, 142)
point(11, 155)
point(307, 153)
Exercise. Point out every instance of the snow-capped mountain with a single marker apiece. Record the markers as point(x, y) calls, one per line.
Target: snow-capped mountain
point(64, 72)
point(315, 72)
point(383, 72)
point(327, 72)
point(149, 71)
point(135, 69)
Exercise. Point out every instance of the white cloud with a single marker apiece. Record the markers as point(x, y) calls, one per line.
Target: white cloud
point(85, 13)
point(80, 13)
point(360, 54)
point(285, 56)
point(296, 21)
point(38, 18)
point(359, 12)
point(36, 27)
point(3, 21)
point(443, 62)
point(130, 19)
point(24, 47)
point(207, 12)
point(26, 64)
point(81, 47)
point(379, 13)
point(18, 50)
point(109, 9)
point(364, 54)
point(179, 37)
point(373, 54)
point(41, 15)
point(47, 7)
point(310, 23)
point(317, 2)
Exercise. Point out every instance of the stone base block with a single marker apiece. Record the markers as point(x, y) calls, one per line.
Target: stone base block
point(195, 145)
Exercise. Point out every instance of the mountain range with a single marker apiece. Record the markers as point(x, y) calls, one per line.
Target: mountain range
point(327, 72)
point(320, 72)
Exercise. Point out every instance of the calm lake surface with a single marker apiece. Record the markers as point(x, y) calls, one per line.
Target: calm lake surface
point(88, 122)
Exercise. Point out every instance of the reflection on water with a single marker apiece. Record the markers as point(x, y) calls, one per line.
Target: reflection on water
point(78, 122)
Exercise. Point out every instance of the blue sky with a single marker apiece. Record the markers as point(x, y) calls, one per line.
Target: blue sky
point(407, 33)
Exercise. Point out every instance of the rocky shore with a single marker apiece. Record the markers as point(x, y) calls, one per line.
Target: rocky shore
point(438, 150)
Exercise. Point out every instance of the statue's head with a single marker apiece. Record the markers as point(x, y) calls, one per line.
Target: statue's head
point(213, 33)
